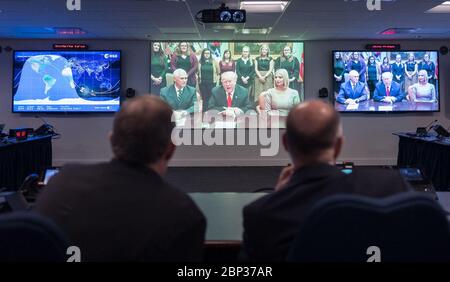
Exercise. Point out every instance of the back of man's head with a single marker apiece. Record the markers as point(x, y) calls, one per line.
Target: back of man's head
point(313, 128)
point(142, 130)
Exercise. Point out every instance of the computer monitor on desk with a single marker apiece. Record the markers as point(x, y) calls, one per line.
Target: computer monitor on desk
point(441, 131)
point(418, 180)
point(47, 174)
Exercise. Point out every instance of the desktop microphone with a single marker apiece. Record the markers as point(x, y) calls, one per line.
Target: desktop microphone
point(431, 124)
point(45, 129)
point(423, 131)
point(42, 119)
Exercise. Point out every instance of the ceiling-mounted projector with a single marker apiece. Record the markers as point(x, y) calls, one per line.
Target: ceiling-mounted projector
point(222, 15)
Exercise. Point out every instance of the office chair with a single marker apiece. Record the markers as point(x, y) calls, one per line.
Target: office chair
point(30, 187)
point(408, 227)
point(25, 236)
point(264, 189)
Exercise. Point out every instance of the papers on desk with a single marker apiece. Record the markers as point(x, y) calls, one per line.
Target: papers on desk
point(352, 107)
point(180, 122)
point(385, 108)
point(225, 124)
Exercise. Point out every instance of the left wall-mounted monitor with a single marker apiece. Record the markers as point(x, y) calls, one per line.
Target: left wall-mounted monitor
point(66, 81)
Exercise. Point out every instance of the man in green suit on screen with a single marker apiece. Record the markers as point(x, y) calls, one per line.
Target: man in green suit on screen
point(229, 99)
point(181, 97)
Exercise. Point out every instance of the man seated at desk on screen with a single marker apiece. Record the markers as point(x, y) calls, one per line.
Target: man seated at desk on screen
point(353, 91)
point(229, 99)
point(388, 91)
point(181, 97)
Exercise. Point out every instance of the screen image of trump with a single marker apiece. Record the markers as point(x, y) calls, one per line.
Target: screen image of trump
point(386, 81)
point(228, 84)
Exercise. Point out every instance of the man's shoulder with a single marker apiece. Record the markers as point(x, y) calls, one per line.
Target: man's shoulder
point(378, 181)
point(191, 89)
point(379, 84)
point(240, 90)
point(256, 207)
point(77, 168)
point(395, 84)
point(218, 89)
point(166, 89)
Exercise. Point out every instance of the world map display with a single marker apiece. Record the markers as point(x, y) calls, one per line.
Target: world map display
point(87, 78)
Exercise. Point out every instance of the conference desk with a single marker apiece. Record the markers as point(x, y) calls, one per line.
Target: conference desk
point(372, 106)
point(430, 154)
point(223, 213)
point(224, 228)
point(18, 159)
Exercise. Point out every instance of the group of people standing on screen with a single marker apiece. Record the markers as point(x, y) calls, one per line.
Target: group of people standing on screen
point(259, 83)
point(357, 79)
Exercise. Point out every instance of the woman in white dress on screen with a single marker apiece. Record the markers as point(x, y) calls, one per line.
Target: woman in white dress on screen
point(280, 99)
point(422, 91)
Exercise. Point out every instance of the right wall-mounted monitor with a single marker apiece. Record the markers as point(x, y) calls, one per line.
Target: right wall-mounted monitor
point(394, 81)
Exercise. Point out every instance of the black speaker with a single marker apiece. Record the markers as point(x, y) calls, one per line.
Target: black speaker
point(441, 131)
point(323, 92)
point(130, 93)
point(12, 201)
point(443, 50)
point(45, 129)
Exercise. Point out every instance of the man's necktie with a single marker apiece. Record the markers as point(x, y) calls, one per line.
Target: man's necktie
point(179, 96)
point(388, 91)
point(229, 101)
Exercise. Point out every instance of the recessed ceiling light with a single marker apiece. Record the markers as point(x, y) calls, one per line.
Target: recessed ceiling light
point(69, 31)
point(254, 30)
point(264, 6)
point(395, 30)
point(442, 8)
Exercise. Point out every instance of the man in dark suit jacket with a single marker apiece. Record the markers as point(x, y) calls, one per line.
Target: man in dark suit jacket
point(314, 140)
point(123, 210)
point(352, 91)
point(229, 99)
point(388, 91)
point(180, 96)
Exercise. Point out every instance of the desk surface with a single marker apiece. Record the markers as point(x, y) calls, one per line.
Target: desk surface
point(432, 137)
point(223, 213)
point(444, 200)
point(20, 158)
point(372, 106)
point(13, 141)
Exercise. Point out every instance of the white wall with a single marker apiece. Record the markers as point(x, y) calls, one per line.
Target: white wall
point(369, 138)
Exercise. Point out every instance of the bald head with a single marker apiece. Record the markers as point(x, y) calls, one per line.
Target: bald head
point(142, 130)
point(312, 128)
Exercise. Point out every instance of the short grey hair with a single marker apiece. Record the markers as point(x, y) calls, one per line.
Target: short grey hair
point(231, 75)
point(353, 72)
point(179, 72)
point(386, 74)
